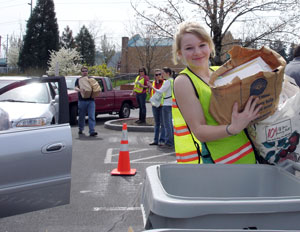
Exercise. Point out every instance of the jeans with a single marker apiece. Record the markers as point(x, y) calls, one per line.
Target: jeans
point(83, 108)
point(159, 129)
point(141, 99)
point(168, 124)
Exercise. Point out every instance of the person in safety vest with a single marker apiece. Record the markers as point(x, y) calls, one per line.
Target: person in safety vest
point(159, 129)
point(166, 91)
point(198, 137)
point(140, 89)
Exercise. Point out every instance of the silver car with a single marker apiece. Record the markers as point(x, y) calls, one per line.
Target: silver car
point(35, 162)
point(35, 104)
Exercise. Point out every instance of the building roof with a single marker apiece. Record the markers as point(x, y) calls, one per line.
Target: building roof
point(138, 41)
point(2, 61)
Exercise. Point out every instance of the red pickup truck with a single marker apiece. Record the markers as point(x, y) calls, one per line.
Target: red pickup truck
point(109, 101)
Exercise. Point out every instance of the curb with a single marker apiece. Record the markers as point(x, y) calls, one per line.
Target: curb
point(117, 125)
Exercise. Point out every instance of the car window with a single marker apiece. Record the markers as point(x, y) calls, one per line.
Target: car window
point(101, 84)
point(53, 89)
point(70, 83)
point(35, 93)
point(108, 84)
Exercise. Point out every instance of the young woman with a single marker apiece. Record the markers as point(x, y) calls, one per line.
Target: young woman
point(166, 90)
point(159, 129)
point(140, 89)
point(194, 127)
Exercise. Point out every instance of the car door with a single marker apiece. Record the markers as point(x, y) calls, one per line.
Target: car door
point(35, 162)
point(105, 101)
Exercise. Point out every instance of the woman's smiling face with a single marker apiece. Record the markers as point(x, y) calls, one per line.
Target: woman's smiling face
point(194, 51)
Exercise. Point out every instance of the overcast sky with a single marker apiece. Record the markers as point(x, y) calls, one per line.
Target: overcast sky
point(111, 17)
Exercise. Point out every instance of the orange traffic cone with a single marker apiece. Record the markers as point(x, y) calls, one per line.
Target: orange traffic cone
point(124, 161)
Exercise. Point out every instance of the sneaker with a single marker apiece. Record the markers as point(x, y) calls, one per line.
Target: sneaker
point(137, 121)
point(93, 134)
point(153, 143)
point(80, 132)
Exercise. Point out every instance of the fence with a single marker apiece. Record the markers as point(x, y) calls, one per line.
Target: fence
point(9, 70)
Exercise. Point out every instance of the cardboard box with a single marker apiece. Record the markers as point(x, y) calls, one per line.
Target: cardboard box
point(85, 84)
point(256, 79)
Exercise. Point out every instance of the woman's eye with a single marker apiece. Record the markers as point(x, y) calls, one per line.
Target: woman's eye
point(188, 48)
point(202, 45)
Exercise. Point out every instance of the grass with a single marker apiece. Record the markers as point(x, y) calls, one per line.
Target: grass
point(116, 83)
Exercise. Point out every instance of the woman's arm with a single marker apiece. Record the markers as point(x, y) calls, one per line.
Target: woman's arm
point(165, 86)
point(192, 112)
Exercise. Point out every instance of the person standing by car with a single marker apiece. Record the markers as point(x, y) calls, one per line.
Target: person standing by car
point(140, 89)
point(85, 105)
point(293, 68)
point(166, 91)
point(159, 129)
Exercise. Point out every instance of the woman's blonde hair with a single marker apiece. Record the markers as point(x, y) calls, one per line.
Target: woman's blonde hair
point(194, 28)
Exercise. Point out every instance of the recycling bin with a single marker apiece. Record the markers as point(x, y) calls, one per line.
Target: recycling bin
point(220, 196)
point(214, 230)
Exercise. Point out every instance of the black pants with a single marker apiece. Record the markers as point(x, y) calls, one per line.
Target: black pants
point(141, 99)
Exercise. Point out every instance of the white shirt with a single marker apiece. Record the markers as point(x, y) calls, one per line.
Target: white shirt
point(166, 88)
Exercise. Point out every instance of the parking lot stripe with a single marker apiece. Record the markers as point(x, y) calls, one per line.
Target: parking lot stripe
point(116, 208)
point(151, 157)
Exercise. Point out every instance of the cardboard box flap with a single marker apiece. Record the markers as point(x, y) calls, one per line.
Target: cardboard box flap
point(240, 55)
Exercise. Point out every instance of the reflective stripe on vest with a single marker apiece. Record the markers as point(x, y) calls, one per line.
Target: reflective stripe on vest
point(235, 155)
point(184, 146)
point(233, 149)
point(137, 88)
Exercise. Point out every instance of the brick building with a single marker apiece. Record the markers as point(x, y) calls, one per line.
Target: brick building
point(151, 53)
point(155, 53)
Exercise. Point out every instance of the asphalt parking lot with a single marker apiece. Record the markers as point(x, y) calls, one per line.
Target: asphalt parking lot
point(99, 202)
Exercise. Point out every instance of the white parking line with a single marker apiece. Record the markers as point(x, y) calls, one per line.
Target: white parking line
point(116, 208)
point(110, 155)
point(151, 157)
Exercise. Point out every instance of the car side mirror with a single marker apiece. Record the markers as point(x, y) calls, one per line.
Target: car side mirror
point(55, 100)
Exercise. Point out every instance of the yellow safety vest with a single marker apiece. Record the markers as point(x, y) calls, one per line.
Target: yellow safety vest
point(232, 149)
point(153, 91)
point(137, 88)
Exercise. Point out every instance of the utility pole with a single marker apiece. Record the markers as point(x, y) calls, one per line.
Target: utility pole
point(30, 7)
point(6, 54)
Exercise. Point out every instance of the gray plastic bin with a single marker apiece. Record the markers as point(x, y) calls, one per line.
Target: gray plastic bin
point(215, 230)
point(220, 196)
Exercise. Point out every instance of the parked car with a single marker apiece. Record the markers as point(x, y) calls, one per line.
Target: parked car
point(35, 162)
point(35, 104)
point(110, 101)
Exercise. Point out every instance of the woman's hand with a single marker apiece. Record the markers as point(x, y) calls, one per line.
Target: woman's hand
point(239, 121)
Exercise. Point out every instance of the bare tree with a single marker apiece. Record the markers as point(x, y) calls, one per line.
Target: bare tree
point(151, 49)
point(13, 50)
point(107, 49)
point(221, 15)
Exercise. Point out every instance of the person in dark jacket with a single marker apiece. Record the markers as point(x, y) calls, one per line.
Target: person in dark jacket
point(293, 68)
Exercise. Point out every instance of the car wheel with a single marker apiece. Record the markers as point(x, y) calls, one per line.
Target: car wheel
point(73, 114)
point(124, 111)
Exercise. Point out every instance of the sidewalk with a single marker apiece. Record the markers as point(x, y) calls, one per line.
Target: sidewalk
point(134, 115)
